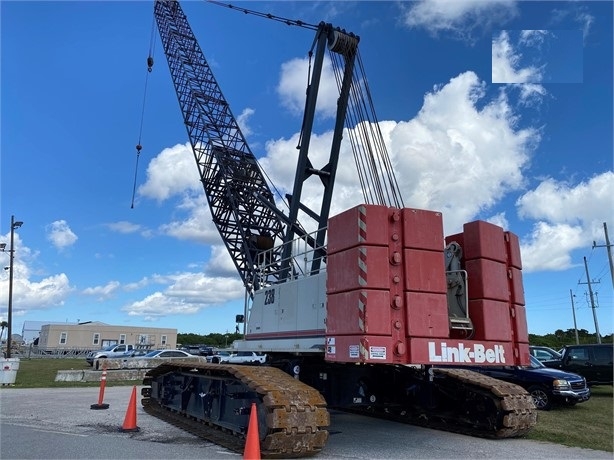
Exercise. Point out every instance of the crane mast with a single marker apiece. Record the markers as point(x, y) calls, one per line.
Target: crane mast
point(240, 200)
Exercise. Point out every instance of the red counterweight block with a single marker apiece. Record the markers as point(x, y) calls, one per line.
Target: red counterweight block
point(513, 250)
point(519, 323)
point(361, 225)
point(364, 319)
point(422, 229)
point(424, 271)
point(522, 354)
point(423, 244)
point(491, 320)
point(361, 267)
point(492, 260)
point(516, 286)
point(483, 240)
point(426, 307)
point(427, 314)
point(487, 279)
point(358, 312)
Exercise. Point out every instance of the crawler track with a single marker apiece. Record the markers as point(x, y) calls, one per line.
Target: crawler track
point(292, 416)
point(463, 402)
point(485, 406)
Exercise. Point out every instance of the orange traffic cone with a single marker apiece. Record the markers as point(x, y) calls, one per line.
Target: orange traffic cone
point(130, 419)
point(103, 383)
point(252, 443)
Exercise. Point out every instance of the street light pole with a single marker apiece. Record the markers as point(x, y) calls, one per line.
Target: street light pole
point(14, 224)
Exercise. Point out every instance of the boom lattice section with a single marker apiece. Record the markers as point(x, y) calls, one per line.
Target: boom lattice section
point(235, 187)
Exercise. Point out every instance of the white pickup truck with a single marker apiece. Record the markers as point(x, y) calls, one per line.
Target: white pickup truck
point(112, 351)
point(244, 357)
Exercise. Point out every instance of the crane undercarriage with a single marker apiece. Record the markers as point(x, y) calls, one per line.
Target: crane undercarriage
point(213, 401)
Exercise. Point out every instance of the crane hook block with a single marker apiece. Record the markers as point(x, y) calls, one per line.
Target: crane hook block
point(138, 148)
point(149, 63)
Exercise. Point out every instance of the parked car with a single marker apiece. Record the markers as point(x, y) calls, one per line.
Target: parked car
point(544, 353)
point(200, 350)
point(593, 361)
point(167, 354)
point(245, 357)
point(547, 386)
point(136, 353)
point(112, 351)
point(218, 357)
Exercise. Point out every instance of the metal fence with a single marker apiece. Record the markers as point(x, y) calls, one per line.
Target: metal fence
point(34, 352)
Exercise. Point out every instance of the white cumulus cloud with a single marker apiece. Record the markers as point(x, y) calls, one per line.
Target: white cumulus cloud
point(507, 60)
point(567, 217)
point(459, 18)
point(60, 234)
point(103, 292)
point(173, 171)
point(188, 294)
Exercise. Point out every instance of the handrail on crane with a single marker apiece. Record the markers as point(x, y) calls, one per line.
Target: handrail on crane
point(302, 254)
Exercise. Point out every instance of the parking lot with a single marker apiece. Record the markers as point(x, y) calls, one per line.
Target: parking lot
point(58, 423)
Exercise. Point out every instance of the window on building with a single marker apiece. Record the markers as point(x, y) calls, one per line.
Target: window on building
point(122, 339)
point(143, 339)
point(96, 339)
point(163, 340)
point(63, 338)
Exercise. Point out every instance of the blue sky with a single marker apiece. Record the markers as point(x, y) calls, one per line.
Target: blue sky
point(493, 110)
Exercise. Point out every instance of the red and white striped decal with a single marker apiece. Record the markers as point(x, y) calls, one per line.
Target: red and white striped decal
point(362, 266)
point(362, 224)
point(362, 303)
point(364, 352)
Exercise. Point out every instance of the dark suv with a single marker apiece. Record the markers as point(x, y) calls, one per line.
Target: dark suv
point(594, 362)
point(546, 386)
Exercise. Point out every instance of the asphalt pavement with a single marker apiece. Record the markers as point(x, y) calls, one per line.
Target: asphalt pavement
point(58, 423)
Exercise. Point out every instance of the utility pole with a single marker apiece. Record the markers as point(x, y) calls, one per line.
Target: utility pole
point(608, 246)
point(14, 225)
point(590, 293)
point(573, 310)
